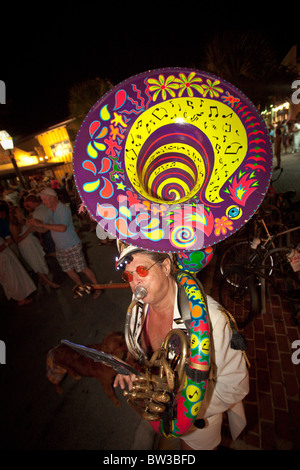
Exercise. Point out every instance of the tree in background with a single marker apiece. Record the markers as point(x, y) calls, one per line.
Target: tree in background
point(84, 95)
point(247, 60)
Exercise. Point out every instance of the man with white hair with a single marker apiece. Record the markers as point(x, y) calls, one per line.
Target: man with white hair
point(68, 245)
point(38, 210)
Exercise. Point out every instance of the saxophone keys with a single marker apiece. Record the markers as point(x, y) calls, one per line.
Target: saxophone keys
point(156, 407)
point(140, 386)
point(162, 397)
point(135, 395)
point(150, 416)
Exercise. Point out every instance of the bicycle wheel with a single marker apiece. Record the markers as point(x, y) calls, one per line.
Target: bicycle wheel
point(239, 296)
point(234, 256)
point(283, 278)
point(239, 256)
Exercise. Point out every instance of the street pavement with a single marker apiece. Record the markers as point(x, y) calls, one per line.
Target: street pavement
point(33, 415)
point(289, 180)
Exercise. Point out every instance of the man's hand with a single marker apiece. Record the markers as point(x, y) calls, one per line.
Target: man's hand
point(121, 380)
point(34, 222)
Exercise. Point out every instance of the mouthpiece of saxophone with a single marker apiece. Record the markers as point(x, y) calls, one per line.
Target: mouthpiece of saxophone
point(140, 292)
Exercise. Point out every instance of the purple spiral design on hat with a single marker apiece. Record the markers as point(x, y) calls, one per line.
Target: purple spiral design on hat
point(173, 171)
point(172, 159)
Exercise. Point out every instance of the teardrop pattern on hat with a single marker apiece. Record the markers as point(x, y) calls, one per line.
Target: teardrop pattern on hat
point(186, 152)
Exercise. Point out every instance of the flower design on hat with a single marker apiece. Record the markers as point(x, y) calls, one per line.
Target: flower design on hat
point(188, 83)
point(163, 85)
point(212, 88)
point(166, 139)
point(222, 225)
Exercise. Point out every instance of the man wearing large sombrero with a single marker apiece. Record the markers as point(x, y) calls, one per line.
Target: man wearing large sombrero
point(171, 162)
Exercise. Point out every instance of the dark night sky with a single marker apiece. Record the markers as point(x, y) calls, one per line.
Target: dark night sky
point(48, 51)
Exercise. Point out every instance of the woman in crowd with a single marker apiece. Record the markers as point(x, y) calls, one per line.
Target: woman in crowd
point(16, 282)
point(29, 246)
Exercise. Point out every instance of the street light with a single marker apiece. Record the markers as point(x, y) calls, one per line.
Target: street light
point(7, 143)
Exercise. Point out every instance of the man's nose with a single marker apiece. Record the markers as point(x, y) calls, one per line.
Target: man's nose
point(136, 278)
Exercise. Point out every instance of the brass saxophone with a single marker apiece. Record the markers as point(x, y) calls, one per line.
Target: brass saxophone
point(154, 391)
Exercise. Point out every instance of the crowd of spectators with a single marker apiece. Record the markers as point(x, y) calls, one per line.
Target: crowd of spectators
point(23, 248)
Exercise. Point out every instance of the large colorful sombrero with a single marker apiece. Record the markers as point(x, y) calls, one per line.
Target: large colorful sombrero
point(173, 160)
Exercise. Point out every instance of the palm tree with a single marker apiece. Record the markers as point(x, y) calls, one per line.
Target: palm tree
point(84, 95)
point(246, 59)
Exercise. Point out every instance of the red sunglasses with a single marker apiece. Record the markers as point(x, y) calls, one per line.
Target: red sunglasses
point(142, 271)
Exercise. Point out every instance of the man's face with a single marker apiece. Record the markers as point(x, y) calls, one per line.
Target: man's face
point(49, 201)
point(155, 282)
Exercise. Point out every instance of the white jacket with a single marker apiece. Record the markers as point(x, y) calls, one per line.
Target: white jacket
point(228, 383)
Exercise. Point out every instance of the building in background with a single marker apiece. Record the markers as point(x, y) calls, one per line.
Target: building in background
point(288, 109)
point(47, 154)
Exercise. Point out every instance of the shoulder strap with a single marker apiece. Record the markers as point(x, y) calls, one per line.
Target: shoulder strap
point(184, 310)
point(238, 341)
